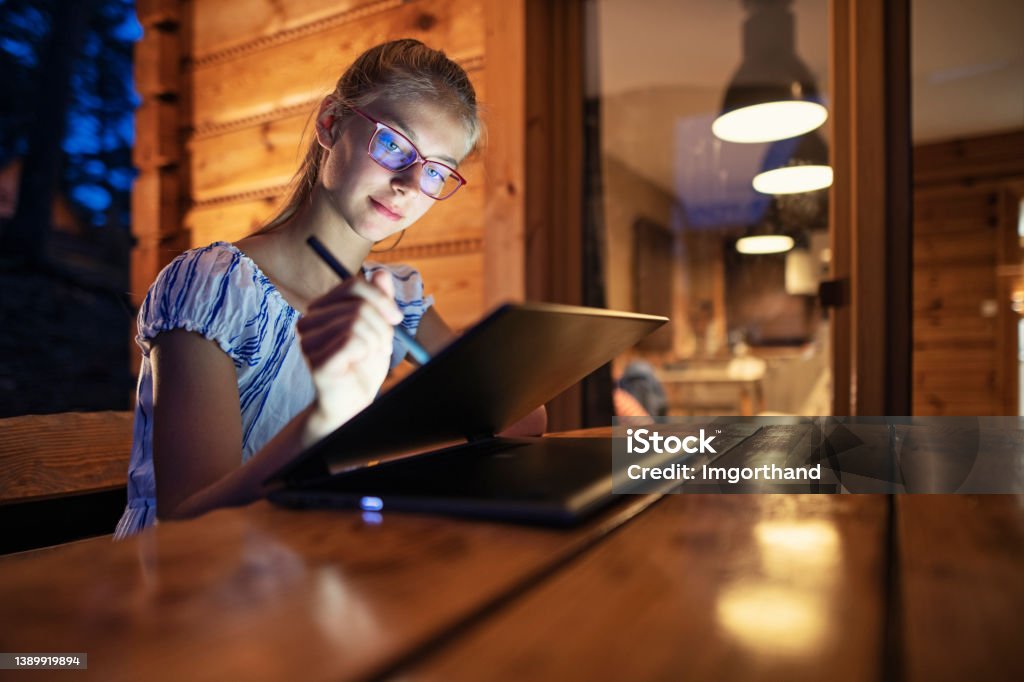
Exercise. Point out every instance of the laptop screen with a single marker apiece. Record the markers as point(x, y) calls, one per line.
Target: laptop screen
point(514, 360)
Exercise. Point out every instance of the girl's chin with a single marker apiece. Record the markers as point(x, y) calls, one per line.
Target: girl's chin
point(373, 232)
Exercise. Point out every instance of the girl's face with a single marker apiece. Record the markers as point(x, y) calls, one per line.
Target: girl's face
point(372, 200)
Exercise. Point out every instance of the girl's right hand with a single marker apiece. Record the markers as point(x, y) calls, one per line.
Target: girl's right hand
point(346, 337)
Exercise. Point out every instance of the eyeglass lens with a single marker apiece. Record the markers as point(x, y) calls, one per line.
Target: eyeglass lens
point(396, 153)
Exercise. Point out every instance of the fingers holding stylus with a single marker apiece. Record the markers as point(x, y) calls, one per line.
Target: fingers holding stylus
point(350, 323)
point(379, 291)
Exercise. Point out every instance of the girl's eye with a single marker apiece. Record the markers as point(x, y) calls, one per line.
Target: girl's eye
point(392, 146)
point(432, 172)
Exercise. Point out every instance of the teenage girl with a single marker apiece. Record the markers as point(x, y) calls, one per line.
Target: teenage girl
point(252, 351)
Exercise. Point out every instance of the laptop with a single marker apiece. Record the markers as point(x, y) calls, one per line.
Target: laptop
point(429, 444)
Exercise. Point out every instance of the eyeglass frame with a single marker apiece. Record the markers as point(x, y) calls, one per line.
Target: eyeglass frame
point(420, 159)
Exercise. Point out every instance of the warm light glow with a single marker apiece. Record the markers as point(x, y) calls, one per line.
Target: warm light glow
point(793, 179)
point(801, 277)
point(757, 614)
point(769, 121)
point(765, 243)
point(799, 544)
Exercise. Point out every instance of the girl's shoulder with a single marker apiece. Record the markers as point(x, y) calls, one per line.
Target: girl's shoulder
point(214, 290)
point(407, 279)
point(408, 291)
point(220, 265)
point(400, 271)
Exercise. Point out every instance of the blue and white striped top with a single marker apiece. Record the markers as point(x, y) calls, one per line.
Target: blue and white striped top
point(219, 292)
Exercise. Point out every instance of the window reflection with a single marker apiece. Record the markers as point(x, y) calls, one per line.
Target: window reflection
point(747, 334)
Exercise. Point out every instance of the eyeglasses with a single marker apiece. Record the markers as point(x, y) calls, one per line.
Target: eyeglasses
point(393, 151)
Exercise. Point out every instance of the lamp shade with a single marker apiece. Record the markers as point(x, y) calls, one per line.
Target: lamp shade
point(764, 243)
point(806, 170)
point(772, 95)
point(793, 179)
point(765, 236)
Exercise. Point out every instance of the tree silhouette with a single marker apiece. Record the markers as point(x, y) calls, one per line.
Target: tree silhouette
point(68, 111)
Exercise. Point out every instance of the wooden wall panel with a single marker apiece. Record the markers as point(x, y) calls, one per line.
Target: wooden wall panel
point(456, 220)
point(960, 161)
point(955, 264)
point(158, 194)
point(964, 360)
point(254, 155)
point(961, 247)
point(248, 159)
point(256, 81)
point(249, 21)
point(454, 282)
point(952, 288)
point(229, 221)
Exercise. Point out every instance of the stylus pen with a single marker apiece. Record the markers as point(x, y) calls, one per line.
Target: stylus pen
point(418, 352)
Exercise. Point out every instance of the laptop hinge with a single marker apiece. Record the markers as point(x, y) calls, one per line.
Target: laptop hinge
point(477, 437)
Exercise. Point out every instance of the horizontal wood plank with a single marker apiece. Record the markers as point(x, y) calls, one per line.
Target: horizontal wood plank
point(952, 403)
point(997, 155)
point(701, 587)
point(963, 359)
point(252, 23)
point(157, 66)
point(155, 203)
point(229, 221)
point(308, 67)
point(157, 136)
point(151, 12)
point(938, 280)
point(249, 159)
point(952, 379)
point(958, 247)
point(44, 456)
point(961, 587)
point(253, 157)
point(263, 593)
point(458, 219)
point(454, 282)
point(933, 208)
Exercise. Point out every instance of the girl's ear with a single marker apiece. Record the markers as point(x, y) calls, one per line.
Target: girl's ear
point(325, 124)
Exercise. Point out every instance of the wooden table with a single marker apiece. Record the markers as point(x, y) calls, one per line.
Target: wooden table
point(716, 587)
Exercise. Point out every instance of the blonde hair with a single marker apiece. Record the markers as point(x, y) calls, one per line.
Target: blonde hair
point(403, 69)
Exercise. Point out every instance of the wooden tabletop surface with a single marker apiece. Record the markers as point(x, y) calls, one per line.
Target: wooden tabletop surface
point(696, 586)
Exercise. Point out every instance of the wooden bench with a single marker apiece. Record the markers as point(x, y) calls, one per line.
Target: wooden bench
point(62, 476)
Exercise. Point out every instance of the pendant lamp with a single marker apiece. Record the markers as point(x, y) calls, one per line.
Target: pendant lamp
point(772, 95)
point(806, 170)
point(765, 236)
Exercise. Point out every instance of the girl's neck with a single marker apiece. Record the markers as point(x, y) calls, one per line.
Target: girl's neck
point(321, 220)
point(293, 266)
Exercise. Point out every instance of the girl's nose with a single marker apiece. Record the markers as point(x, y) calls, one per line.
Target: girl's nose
point(407, 180)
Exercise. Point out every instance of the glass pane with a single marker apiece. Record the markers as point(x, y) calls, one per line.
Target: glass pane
point(967, 68)
point(677, 202)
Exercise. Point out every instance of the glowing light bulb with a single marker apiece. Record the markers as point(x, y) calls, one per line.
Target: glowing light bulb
point(769, 121)
point(793, 179)
point(764, 243)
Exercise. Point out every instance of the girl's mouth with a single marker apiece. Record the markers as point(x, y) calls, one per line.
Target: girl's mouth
point(384, 210)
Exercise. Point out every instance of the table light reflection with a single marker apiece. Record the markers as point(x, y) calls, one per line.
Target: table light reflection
point(789, 593)
point(773, 619)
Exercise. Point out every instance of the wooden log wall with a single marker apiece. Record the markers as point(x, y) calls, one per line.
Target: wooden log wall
point(225, 125)
point(967, 259)
point(158, 197)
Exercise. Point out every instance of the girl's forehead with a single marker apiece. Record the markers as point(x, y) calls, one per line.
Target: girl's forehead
point(434, 128)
